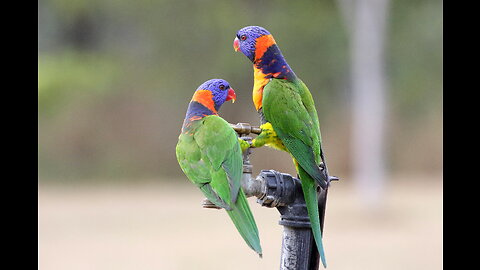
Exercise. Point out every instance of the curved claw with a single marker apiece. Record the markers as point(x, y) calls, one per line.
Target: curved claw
point(326, 176)
point(333, 178)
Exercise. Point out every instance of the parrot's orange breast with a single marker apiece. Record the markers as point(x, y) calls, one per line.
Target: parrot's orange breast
point(259, 81)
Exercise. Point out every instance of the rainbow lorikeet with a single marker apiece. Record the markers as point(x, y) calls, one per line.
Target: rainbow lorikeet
point(288, 115)
point(210, 155)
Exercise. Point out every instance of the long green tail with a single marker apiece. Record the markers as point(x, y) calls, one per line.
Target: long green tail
point(243, 219)
point(310, 194)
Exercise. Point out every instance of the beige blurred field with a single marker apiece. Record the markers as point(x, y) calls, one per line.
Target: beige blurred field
point(162, 226)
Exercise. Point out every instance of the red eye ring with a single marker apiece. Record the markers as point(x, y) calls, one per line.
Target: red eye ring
point(243, 37)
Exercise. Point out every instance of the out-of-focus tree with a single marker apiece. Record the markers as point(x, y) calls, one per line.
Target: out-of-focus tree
point(367, 25)
point(115, 78)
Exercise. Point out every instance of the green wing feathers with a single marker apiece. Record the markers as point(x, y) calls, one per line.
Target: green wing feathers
point(219, 144)
point(239, 212)
point(289, 108)
point(243, 219)
point(211, 157)
point(213, 197)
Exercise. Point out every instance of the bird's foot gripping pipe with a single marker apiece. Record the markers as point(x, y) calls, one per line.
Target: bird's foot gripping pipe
point(272, 188)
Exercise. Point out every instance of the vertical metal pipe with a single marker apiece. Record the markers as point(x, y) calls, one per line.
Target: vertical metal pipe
point(299, 251)
point(297, 246)
point(280, 190)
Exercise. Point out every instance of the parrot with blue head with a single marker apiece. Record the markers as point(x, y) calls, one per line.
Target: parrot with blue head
point(289, 118)
point(209, 153)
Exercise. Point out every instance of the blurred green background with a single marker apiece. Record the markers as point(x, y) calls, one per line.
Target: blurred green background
point(115, 79)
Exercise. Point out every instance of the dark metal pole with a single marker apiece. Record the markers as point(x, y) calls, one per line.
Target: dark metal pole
point(281, 190)
point(284, 192)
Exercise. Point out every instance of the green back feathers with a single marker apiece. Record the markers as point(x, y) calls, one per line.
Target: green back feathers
point(289, 107)
point(219, 145)
point(209, 152)
point(210, 156)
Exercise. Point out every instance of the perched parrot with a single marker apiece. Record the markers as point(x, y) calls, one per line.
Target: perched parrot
point(209, 154)
point(288, 115)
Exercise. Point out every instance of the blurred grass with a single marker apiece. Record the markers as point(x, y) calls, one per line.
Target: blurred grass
point(161, 225)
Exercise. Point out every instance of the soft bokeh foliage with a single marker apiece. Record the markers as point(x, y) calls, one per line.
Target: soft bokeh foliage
point(115, 78)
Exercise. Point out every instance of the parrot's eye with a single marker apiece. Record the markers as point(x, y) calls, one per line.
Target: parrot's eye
point(243, 37)
point(222, 87)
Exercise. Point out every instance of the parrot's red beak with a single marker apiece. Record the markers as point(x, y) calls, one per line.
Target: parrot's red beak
point(231, 95)
point(236, 44)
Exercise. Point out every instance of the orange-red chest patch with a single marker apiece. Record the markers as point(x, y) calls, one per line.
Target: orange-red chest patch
point(259, 80)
